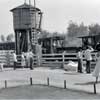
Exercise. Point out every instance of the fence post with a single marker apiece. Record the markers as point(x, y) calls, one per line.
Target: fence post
point(64, 84)
point(48, 81)
point(5, 84)
point(94, 88)
point(63, 59)
point(31, 83)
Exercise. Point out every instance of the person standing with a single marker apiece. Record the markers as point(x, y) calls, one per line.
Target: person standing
point(14, 60)
point(88, 58)
point(31, 59)
point(27, 59)
point(38, 54)
point(79, 57)
point(96, 70)
point(23, 60)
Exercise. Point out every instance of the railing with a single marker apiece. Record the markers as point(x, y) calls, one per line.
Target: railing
point(6, 57)
point(63, 58)
point(47, 59)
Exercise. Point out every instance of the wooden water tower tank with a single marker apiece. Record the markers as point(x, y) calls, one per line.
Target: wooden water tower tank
point(26, 20)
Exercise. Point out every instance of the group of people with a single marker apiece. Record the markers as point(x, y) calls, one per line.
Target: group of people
point(87, 54)
point(26, 60)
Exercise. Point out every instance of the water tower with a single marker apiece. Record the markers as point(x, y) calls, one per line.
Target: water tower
point(27, 25)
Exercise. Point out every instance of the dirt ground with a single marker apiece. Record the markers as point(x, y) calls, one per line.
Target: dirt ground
point(18, 84)
point(44, 92)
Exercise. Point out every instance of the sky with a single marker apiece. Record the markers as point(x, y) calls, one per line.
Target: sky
point(56, 13)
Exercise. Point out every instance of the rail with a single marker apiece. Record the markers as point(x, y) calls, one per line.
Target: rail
point(47, 59)
point(64, 58)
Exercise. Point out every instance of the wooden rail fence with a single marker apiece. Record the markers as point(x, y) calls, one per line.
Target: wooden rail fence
point(46, 59)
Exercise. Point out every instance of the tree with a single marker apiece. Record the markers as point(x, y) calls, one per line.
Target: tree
point(94, 29)
point(72, 29)
point(10, 38)
point(82, 30)
point(2, 38)
point(75, 30)
point(54, 34)
point(44, 34)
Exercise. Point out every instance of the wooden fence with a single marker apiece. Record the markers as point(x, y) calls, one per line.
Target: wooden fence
point(46, 59)
point(64, 58)
point(6, 57)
